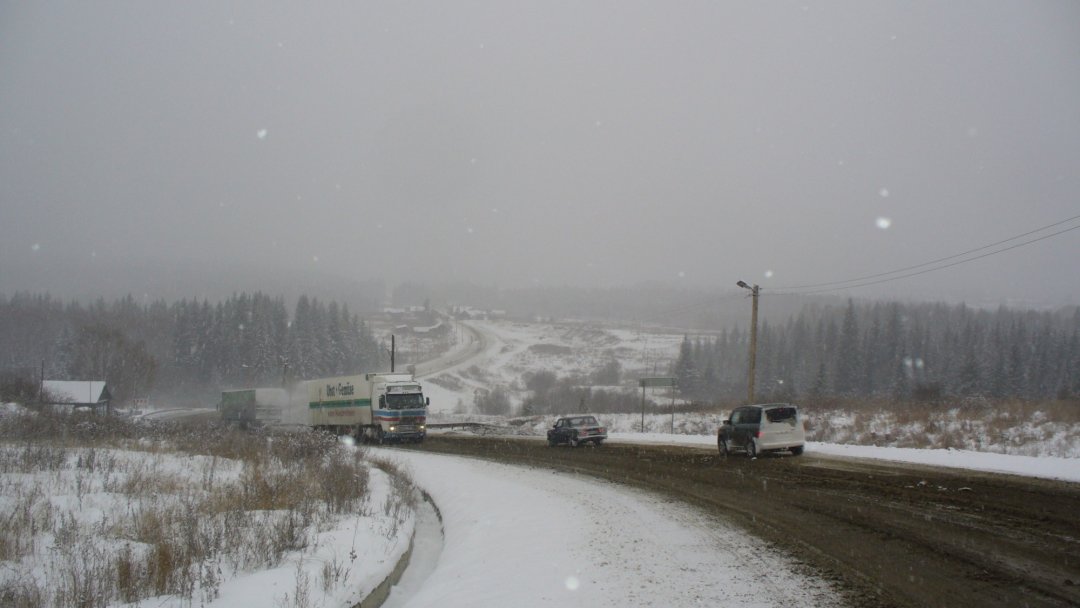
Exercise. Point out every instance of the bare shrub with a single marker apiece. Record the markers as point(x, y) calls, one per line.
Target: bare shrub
point(21, 594)
point(1031, 428)
point(334, 573)
point(403, 498)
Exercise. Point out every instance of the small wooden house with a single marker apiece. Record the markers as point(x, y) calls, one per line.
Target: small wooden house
point(74, 394)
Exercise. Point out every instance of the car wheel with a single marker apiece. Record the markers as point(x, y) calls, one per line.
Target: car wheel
point(552, 443)
point(751, 449)
point(797, 451)
point(723, 446)
point(598, 442)
point(572, 442)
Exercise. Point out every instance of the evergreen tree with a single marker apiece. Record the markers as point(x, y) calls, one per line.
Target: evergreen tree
point(686, 371)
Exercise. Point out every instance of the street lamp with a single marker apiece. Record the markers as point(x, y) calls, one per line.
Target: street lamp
point(754, 291)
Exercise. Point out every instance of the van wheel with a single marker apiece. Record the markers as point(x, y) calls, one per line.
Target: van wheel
point(723, 446)
point(751, 449)
point(797, 451)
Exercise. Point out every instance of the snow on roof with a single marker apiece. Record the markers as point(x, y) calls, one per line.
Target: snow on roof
point(424, 330)
point(76, 391)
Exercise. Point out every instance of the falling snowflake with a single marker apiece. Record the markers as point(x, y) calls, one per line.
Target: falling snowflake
point(261, 133)
point(884, 223)
point(36, 247)
point(768, 274)
point(884, 192)
point(572, 583)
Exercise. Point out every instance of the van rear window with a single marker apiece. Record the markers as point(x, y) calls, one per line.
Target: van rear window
point(780, 414)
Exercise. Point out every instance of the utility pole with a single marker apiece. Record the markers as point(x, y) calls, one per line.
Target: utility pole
point(754, 291)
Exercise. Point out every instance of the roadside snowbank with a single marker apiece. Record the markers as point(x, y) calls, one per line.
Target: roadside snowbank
point(1064, 469)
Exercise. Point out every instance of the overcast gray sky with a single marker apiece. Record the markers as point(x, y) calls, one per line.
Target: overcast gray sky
point(552, 143)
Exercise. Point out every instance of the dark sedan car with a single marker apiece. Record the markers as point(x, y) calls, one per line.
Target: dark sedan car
point(575, 430)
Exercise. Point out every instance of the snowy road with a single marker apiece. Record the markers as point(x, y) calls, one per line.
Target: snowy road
point(519, 536)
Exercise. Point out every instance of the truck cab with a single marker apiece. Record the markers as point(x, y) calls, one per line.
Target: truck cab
point(400, 407)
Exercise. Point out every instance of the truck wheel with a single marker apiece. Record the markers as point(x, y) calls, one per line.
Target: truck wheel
point(552, 443)
point(723, 446)
point(751, 449)
point(379, 439)
point(797, 451)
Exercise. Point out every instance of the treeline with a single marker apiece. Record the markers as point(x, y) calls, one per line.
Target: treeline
point(892, 350)
point(188, 348)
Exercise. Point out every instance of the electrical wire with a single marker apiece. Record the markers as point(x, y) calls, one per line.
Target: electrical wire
point(877, 278)
point(937, 261)
point(936, 268)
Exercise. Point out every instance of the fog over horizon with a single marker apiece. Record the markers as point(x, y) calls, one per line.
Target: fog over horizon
point(529, 144)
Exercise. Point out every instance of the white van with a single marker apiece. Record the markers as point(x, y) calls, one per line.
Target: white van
point(756, 429)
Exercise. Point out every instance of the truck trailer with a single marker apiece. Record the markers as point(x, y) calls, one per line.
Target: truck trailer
point(379, 407)
point(253, 407)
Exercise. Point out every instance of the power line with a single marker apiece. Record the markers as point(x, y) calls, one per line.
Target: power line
point(869, 279)
point(936, 268)
point(939, 260)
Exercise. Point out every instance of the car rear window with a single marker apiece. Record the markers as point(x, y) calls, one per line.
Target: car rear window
point(781, 414)
point(590, 421)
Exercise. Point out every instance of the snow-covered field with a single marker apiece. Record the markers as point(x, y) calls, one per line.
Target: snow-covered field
point(514, 349)
point(146, 526)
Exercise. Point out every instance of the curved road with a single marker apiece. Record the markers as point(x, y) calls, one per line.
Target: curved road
point(476, 342)
point(892, 535)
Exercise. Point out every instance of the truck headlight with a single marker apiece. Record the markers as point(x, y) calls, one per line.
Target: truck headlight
point(393, 428)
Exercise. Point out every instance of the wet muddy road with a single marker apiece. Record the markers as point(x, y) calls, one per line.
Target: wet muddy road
point(889, 534)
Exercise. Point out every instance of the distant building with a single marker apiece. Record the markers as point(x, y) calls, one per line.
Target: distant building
point(71, 394)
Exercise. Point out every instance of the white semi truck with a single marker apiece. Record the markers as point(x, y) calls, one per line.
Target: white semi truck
point(379, 407)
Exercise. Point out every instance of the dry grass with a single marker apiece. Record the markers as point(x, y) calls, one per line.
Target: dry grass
point(240, 502)
point(1032, 428)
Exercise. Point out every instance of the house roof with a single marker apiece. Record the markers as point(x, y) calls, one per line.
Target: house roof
point(76, 391)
